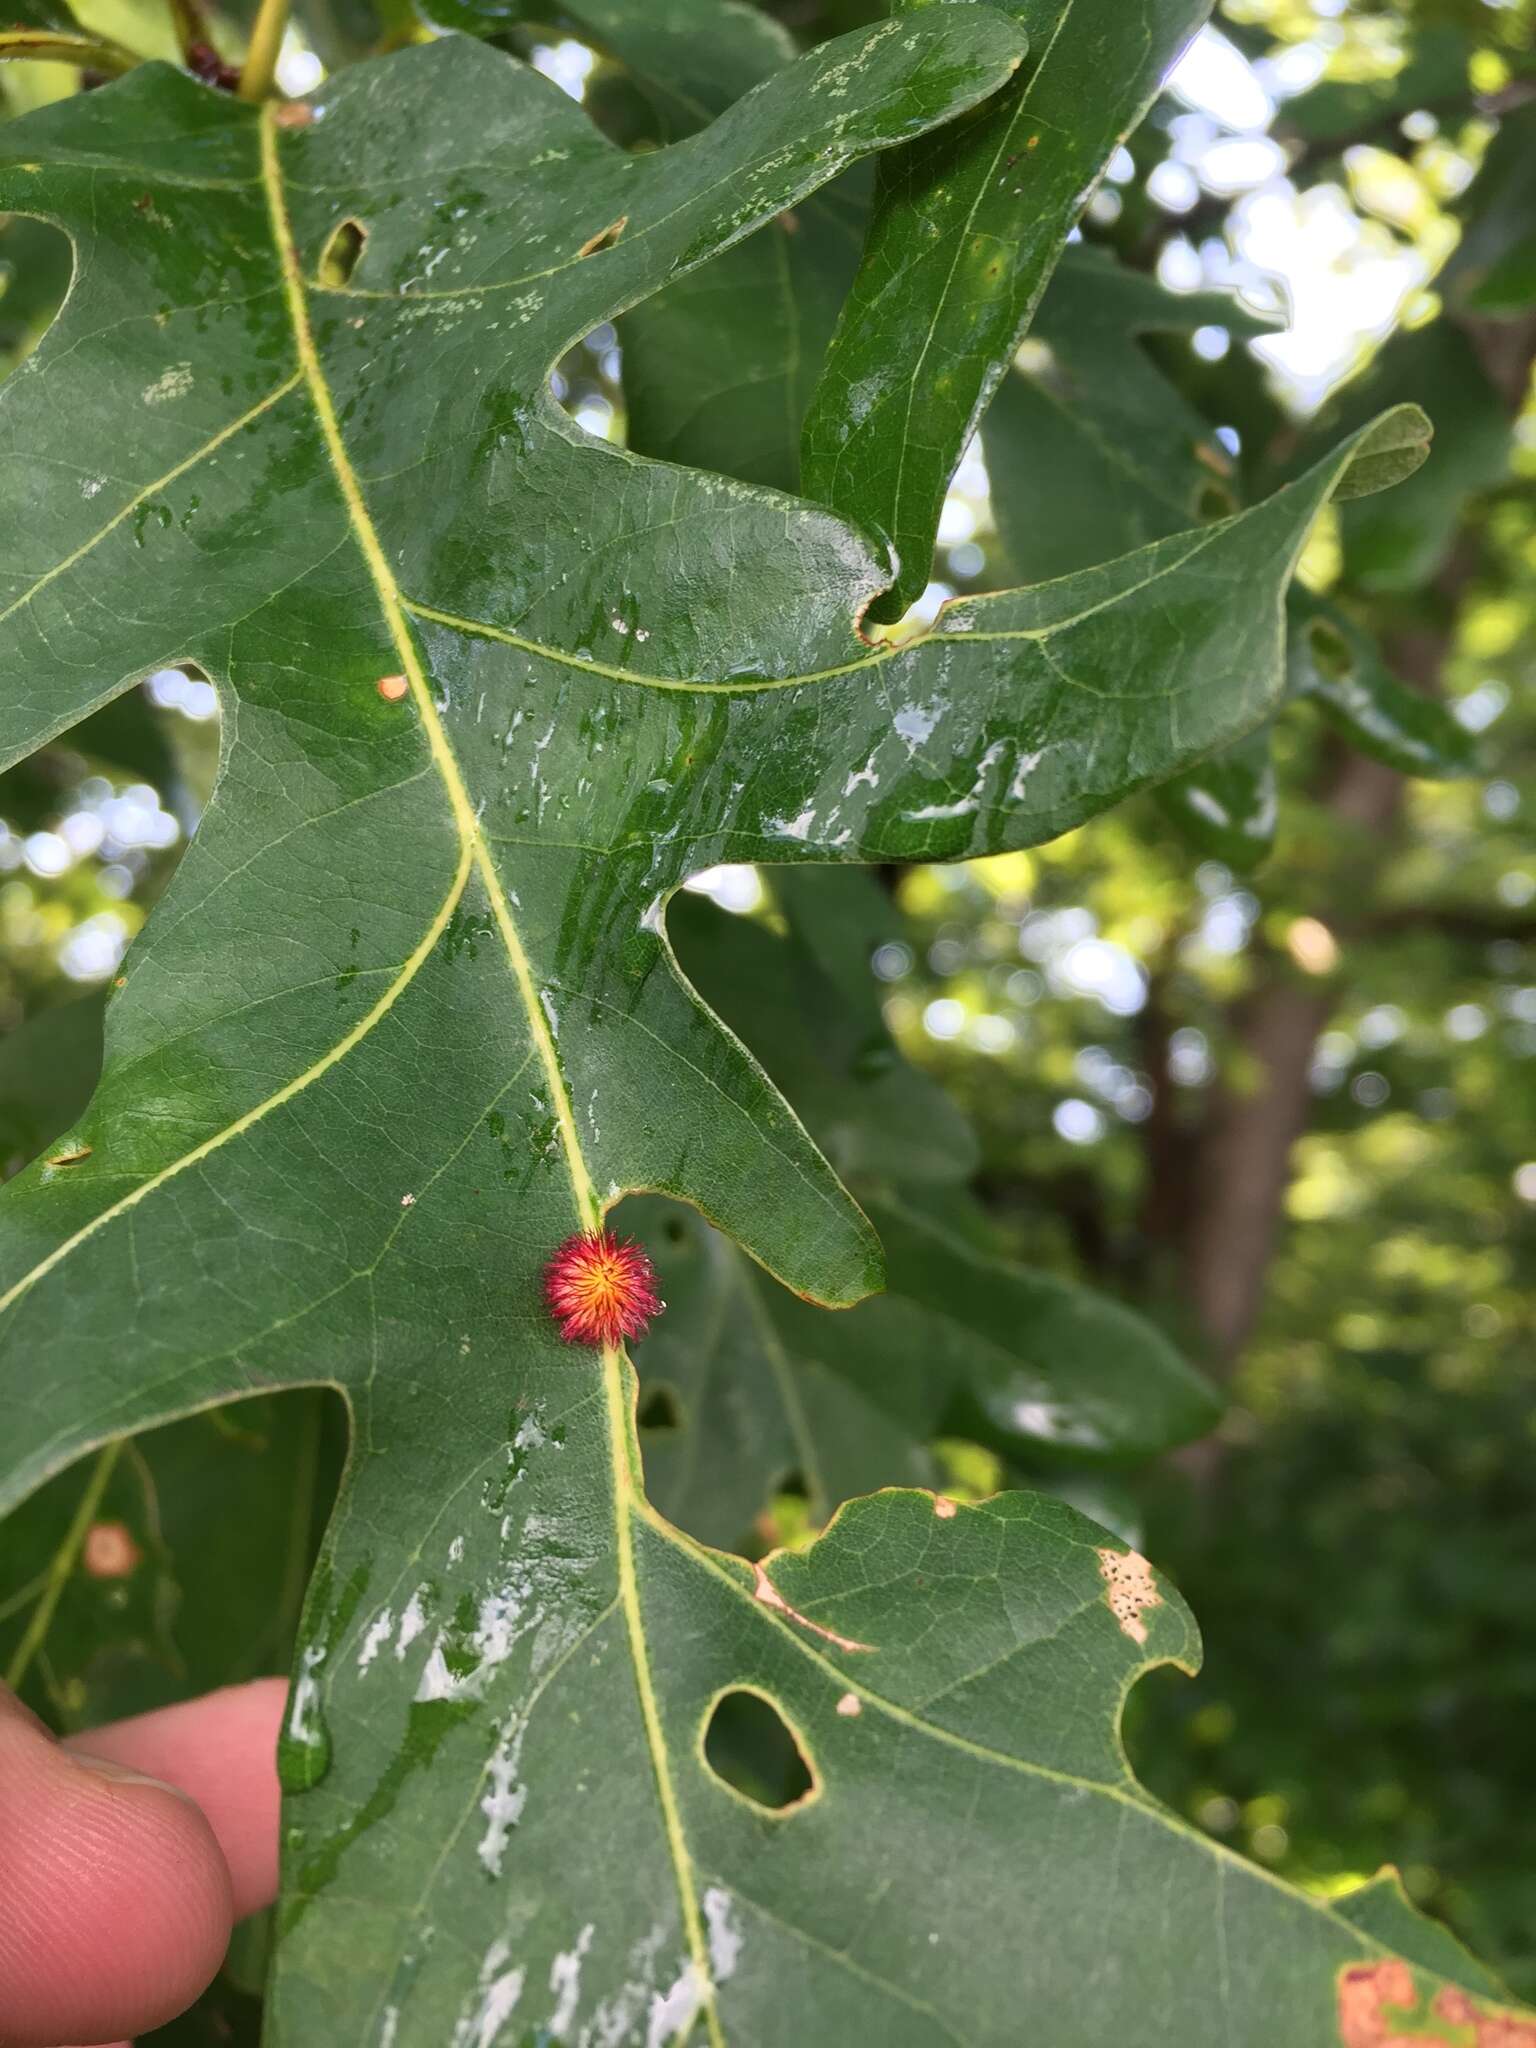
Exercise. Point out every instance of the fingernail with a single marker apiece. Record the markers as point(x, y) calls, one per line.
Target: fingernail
point(106, 1767)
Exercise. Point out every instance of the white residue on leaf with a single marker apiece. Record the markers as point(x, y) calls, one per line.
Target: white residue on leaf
point(915, 722)
point(504, 1799)
point(456, 1547)
point(550, 1011)
point(174, 382)
point(91, 485)
point(1028, 763)
point(378, 1635)
point(962, 806)
point(724, 1938)
point(412, 1622)
point(792, 828)
point(565, 1981)
point(388, 2026)
point(303, 1721)
point(674, 2010)
point(864, 774)
point(616, 2020)
point(481, 2022)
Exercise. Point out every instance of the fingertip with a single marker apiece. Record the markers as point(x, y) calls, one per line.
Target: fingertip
point(221, 1751)
point(118, 1898)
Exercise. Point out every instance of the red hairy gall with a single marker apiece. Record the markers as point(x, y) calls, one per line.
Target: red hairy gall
point(601, 1289)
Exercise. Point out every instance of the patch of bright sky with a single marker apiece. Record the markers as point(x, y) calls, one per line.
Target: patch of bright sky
point(1345, 278)
point(568, 63)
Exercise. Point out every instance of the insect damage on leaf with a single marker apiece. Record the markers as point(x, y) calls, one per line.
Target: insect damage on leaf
point(765, 1590)
point(601, 1289)
point(1129, 1587)
point(1378, 2008)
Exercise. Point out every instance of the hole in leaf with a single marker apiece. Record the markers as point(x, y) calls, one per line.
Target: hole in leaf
point(93, 825)
point(605, 238)
point(1215, 502)
point(1330, 650)
point(341, 254)
point(659, 1408)
point(750, 1746)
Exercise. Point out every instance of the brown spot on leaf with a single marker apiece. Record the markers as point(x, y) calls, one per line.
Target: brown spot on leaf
point(70, 1156)
point(849, 1705)
point(1378, 2008)
point(1129, 1587)
point(765, 1590)
point(1489, 2029)
point(392, 688)
point(1365, 1992)
point(605, 237)
point(293, 114)
point(110, 1551)
point(944, 1507)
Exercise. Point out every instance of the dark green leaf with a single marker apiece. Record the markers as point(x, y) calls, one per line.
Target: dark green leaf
point(719, 368)
point(1338, 664)
point(966, 231)
point(805, 1003)
point(1493, 269)
point(147, 1609)
point(1228, 806)
point(48, 1067)
point(692, 58)
point(1091, 451)
point(743, 1385)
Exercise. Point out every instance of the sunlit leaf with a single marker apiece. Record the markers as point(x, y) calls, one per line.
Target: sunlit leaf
point(407, 1019)
point(965, 233)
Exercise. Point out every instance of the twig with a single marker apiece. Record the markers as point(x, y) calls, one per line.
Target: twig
point(65, 1559)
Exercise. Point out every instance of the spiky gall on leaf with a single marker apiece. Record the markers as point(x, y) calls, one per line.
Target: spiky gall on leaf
point(601, 1288)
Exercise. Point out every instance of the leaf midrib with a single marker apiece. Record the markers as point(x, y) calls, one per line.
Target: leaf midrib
point(476, 853)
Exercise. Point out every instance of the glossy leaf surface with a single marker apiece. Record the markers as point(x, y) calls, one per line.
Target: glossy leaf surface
point(763, 1386)
point(743, 1386)
point(407, 1017)
point(966, 231)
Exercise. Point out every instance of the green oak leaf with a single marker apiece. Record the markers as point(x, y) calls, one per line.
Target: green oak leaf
point(805, 1003)
point(1229, 806)
point(407, 1017)
point(149, 1611)
point(1492, 271)
point(1336, 662)
point(966, 231)
point(742, 1384)
point(720, 366)
point(688, 58)
point(1090, 449)
point(48, 1066)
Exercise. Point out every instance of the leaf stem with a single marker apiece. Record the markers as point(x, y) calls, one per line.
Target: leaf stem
point(260, 66)
point(51, 46)
point(65, 1559)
